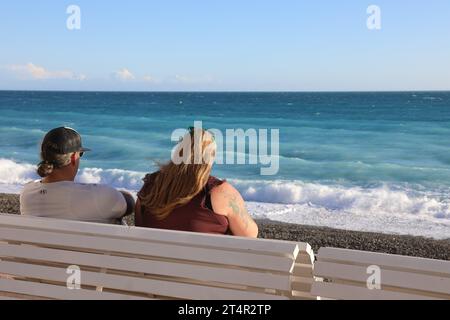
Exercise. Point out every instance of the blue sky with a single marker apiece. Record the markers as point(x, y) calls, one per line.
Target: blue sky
point(232, 45)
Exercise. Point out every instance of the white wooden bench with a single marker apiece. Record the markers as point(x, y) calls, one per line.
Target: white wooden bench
point(345, 275)
point(120, 262)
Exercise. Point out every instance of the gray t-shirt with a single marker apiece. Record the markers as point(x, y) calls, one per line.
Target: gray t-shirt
point(72, 201)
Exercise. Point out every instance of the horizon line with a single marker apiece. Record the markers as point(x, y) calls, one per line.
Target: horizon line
point(224, 91)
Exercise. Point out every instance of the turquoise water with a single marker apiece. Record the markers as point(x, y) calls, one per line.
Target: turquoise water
point(343, 156)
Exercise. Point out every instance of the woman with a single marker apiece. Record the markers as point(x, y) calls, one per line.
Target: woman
point(186, 197)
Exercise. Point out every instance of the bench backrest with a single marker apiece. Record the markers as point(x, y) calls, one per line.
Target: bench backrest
point(351, 274)
point(120, 262)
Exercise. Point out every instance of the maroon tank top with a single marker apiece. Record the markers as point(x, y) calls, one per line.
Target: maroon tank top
point(195, 216)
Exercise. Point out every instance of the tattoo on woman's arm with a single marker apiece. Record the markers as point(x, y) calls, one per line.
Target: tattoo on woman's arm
point(238, 209)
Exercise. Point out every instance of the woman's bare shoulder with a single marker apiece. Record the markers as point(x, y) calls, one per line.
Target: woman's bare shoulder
point(224, 197)
point(223, 188)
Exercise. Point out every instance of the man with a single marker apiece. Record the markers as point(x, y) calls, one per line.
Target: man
point(58, 196)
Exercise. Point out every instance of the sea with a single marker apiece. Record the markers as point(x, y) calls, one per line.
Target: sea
point(366, 161)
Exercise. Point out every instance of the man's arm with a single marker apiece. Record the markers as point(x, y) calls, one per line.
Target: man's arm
point(130, 203)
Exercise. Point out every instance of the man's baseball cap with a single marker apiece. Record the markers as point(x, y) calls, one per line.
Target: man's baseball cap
point(63, 140)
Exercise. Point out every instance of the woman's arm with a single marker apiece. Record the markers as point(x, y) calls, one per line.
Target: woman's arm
point(227, 201)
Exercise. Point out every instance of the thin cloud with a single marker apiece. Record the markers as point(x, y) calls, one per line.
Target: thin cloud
point(124, 75)
point(32, 71)
point(193, 80)
point(152, 80)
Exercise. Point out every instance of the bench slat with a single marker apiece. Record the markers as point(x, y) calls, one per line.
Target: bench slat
point(138, 285)
point(388, 278)
point(8, 298)
point(175, 269)
point(340, 291)
point(385, 260)
point(299, 295)
point(59, 292)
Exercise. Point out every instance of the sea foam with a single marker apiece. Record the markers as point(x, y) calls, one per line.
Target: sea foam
point(14, 174)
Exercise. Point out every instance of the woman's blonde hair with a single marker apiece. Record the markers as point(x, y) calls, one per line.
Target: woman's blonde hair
point(178, 183)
